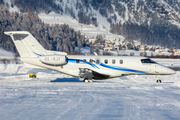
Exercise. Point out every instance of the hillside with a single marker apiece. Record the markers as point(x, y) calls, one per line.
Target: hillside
point(151, 22)
point(148, 21)
point(54, 37)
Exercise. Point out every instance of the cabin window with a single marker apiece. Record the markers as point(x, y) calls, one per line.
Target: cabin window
point(113, 61)
point(77, 61)
point(106, 61)
point(97, 61)
point(91, 61)
point(121, 61)
point(84, 60)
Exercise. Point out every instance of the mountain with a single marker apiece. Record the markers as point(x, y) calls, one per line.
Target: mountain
point(152, 22)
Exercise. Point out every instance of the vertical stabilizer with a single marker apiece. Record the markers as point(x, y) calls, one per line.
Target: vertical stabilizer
point(26, 44)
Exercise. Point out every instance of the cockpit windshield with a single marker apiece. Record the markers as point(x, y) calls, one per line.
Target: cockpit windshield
point(147, 61)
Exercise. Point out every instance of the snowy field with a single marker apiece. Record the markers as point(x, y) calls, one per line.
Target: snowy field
point(57, 96)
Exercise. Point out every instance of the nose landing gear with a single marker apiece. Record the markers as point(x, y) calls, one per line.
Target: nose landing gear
point(158, 80)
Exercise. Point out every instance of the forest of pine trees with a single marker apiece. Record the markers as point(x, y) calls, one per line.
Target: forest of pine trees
point(158, 35)
point(54, 37)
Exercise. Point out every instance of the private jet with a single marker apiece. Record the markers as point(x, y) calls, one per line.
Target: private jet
point(32, 54)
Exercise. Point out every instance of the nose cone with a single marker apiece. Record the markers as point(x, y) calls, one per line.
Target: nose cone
point(170, 71)
point(164, 70)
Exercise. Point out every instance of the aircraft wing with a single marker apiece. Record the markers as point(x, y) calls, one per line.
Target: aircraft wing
point(92, 74)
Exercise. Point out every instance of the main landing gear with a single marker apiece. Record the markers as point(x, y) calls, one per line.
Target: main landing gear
point(86, 74)
point(86, 80)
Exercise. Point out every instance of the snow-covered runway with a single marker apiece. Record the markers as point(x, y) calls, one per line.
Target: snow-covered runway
point(57, 96)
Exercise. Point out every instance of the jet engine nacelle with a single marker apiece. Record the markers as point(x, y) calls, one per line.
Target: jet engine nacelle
point(53, 60)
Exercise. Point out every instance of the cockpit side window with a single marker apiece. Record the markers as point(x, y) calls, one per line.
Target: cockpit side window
point(151, 61)
point(147, 61)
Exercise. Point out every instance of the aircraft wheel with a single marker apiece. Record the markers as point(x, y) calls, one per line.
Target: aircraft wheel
point(89, 80)
point(85, 80)
point(158, 81)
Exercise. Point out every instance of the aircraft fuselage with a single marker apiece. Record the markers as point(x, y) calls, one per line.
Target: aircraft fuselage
point(112, 66)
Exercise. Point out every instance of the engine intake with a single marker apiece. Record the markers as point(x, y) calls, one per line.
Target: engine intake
point(54, 60)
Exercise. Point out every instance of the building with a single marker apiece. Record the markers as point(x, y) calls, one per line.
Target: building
point(92, 40)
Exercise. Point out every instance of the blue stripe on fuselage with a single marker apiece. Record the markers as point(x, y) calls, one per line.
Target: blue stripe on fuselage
point(122, 69)
point(81, 62)
point(107, 66)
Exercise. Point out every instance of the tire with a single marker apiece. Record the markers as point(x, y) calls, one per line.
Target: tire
point(158, 81)
point(85, 80)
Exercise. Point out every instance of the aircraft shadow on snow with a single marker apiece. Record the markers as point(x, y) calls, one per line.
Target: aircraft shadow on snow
point(67, 80)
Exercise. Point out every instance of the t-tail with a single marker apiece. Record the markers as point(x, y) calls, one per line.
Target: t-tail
point(28, 46)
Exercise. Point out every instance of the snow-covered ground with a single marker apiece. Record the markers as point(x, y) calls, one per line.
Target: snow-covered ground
point(57, 96)
point(6, 54)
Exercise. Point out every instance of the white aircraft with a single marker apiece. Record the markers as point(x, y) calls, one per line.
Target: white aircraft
point(86, 67)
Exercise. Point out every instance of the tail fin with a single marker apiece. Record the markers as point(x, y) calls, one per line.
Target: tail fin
point(26, 44)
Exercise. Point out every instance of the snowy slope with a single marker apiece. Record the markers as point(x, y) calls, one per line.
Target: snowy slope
point(61, 97)
point(11, 9)
point(87, 30)
point(65, 18)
